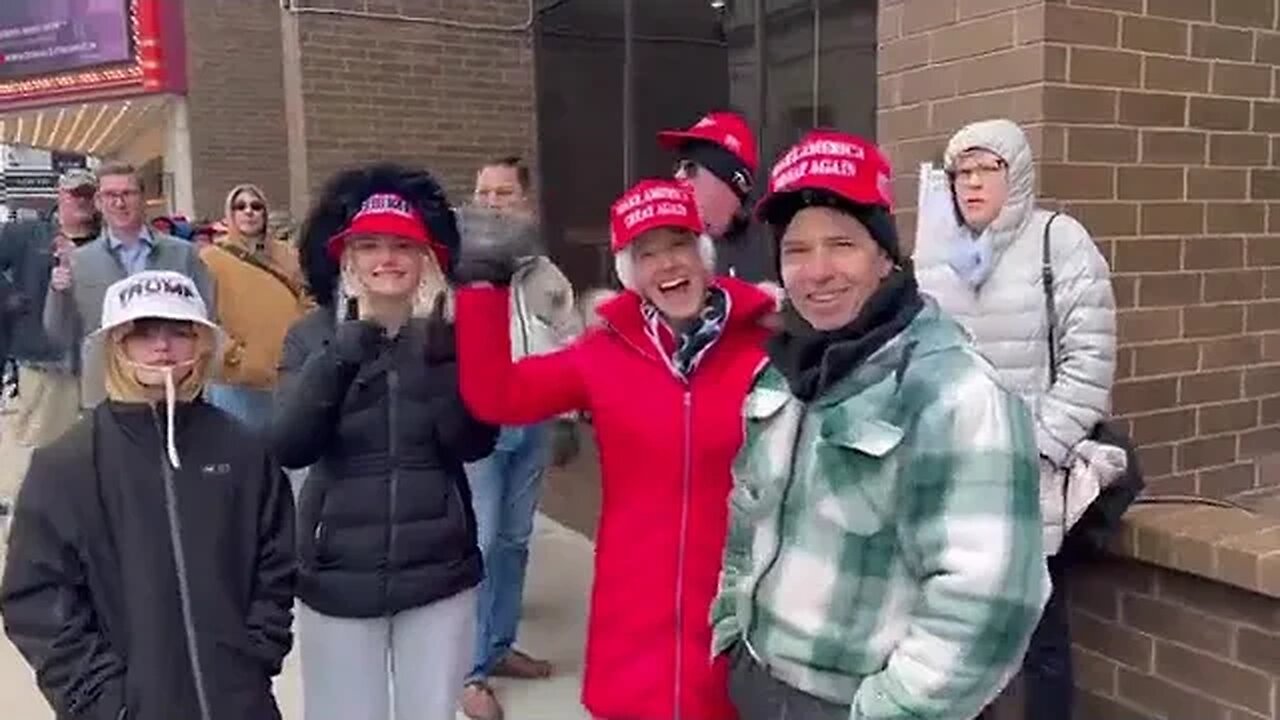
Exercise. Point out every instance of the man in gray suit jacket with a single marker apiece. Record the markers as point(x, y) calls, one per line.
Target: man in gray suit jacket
point(77, 284)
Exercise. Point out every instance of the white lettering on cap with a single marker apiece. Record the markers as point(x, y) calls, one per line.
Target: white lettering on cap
point(635, 200)
point(825, 148)
point(653, 210)
point(382, 203)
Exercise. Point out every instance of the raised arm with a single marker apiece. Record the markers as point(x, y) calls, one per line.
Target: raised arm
point(314, 378)
point(498, 390)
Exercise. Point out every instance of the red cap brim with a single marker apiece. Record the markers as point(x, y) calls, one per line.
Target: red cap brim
point(673, 139)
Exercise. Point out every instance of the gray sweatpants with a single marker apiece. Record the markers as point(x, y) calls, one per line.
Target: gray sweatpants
point(415, 662)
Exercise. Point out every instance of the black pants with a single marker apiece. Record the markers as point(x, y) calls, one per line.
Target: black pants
point(759, 696)
point(1048, 685)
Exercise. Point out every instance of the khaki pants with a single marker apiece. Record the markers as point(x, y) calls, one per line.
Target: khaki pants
point(48, 405)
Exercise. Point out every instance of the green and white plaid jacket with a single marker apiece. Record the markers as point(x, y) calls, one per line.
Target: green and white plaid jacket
point(884, 544)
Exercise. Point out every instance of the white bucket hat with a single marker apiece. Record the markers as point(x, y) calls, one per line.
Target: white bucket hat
point(160, 294)
point(151, 294)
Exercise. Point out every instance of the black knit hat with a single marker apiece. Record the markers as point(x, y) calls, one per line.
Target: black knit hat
point(720, 162)
point(876, 219)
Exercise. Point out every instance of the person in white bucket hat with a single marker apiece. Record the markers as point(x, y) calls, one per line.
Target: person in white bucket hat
point(150, 571)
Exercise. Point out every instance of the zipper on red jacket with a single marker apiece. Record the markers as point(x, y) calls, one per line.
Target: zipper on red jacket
point(685, 490)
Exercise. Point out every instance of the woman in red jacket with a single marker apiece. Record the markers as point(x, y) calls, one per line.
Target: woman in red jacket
point(664, 377)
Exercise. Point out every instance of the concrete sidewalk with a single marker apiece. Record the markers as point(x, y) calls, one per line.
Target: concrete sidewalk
point(553, 627)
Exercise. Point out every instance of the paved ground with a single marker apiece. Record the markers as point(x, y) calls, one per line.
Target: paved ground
point(553, 624)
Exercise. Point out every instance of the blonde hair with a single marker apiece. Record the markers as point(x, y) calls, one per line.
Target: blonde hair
point(431, 285)
point(122, 382)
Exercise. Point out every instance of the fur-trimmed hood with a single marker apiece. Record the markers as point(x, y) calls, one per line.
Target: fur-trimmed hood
point(341, 198)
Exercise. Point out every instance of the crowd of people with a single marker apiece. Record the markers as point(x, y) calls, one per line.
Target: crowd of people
point(833, 463)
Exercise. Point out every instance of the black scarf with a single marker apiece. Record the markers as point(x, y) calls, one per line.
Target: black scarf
point(814, 360)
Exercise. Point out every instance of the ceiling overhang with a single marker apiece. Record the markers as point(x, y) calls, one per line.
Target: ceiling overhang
point(95, 127)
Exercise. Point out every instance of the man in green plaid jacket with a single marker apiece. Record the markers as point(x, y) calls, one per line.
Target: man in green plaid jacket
point(884, 554)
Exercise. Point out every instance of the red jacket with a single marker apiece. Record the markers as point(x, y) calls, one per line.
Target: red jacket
point(666, 448)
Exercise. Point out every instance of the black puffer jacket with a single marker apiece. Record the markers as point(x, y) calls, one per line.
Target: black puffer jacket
point(385, 521)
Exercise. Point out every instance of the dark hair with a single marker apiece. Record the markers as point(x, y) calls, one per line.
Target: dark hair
point(515, 162)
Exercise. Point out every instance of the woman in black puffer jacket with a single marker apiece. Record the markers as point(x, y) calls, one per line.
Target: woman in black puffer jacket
point(368, 397)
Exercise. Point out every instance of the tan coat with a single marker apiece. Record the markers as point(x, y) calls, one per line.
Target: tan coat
point(255, 307)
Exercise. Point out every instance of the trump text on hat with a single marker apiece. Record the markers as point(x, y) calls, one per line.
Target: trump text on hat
point(156, 286)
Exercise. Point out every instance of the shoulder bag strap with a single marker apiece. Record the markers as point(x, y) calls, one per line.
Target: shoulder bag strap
point(246, 257)
point(1046, 277)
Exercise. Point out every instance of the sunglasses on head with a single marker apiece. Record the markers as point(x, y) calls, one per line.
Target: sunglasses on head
point(84, 192)
point(253, 205)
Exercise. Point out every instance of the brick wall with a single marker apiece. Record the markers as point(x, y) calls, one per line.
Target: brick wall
point(235, 100)
point(443, 97)
point(1154, 644)
point(1156, 124)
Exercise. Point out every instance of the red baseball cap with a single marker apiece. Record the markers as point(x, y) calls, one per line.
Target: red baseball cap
point(388, 214)
point(727, 129)
point(652, 204)
point(847, 166)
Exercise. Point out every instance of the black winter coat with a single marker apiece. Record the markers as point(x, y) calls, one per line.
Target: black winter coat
point(747, 253)
point(91, 596)
point(384, 520)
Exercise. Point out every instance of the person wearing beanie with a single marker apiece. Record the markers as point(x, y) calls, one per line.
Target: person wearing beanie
point(985, 263)
point(883, 560)
point(260, 295)
point(663, 377)
point(150, 572)
point(717, 156)
point(368, 399)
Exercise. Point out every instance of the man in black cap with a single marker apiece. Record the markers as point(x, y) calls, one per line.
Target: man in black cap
point(718, 158)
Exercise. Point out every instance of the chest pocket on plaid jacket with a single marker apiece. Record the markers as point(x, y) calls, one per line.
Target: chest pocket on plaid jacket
point(760, 473)
point(856, 472)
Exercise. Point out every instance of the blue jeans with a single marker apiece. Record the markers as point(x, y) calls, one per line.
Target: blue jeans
point(504, 494)
point(249, 406)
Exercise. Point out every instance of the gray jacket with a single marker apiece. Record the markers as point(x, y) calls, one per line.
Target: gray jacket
point(72, 315)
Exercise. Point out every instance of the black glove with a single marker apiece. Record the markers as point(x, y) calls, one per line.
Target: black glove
point(357, 341)
point(492, 245)
point(441, 346)
point(564, 442)
point(493, 270)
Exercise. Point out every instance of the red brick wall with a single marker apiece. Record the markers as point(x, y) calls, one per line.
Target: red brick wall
point(1153, 644)
point(235, 101)
point(1156, 124)
point(443, 97)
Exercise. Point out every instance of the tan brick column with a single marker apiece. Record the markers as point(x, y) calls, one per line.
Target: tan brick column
point(235, 101)
point(1156, 124)
point(421, 92)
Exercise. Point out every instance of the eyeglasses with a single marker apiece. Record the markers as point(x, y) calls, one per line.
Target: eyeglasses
point(981, 171)
point(114, 196)
point(253, 205)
